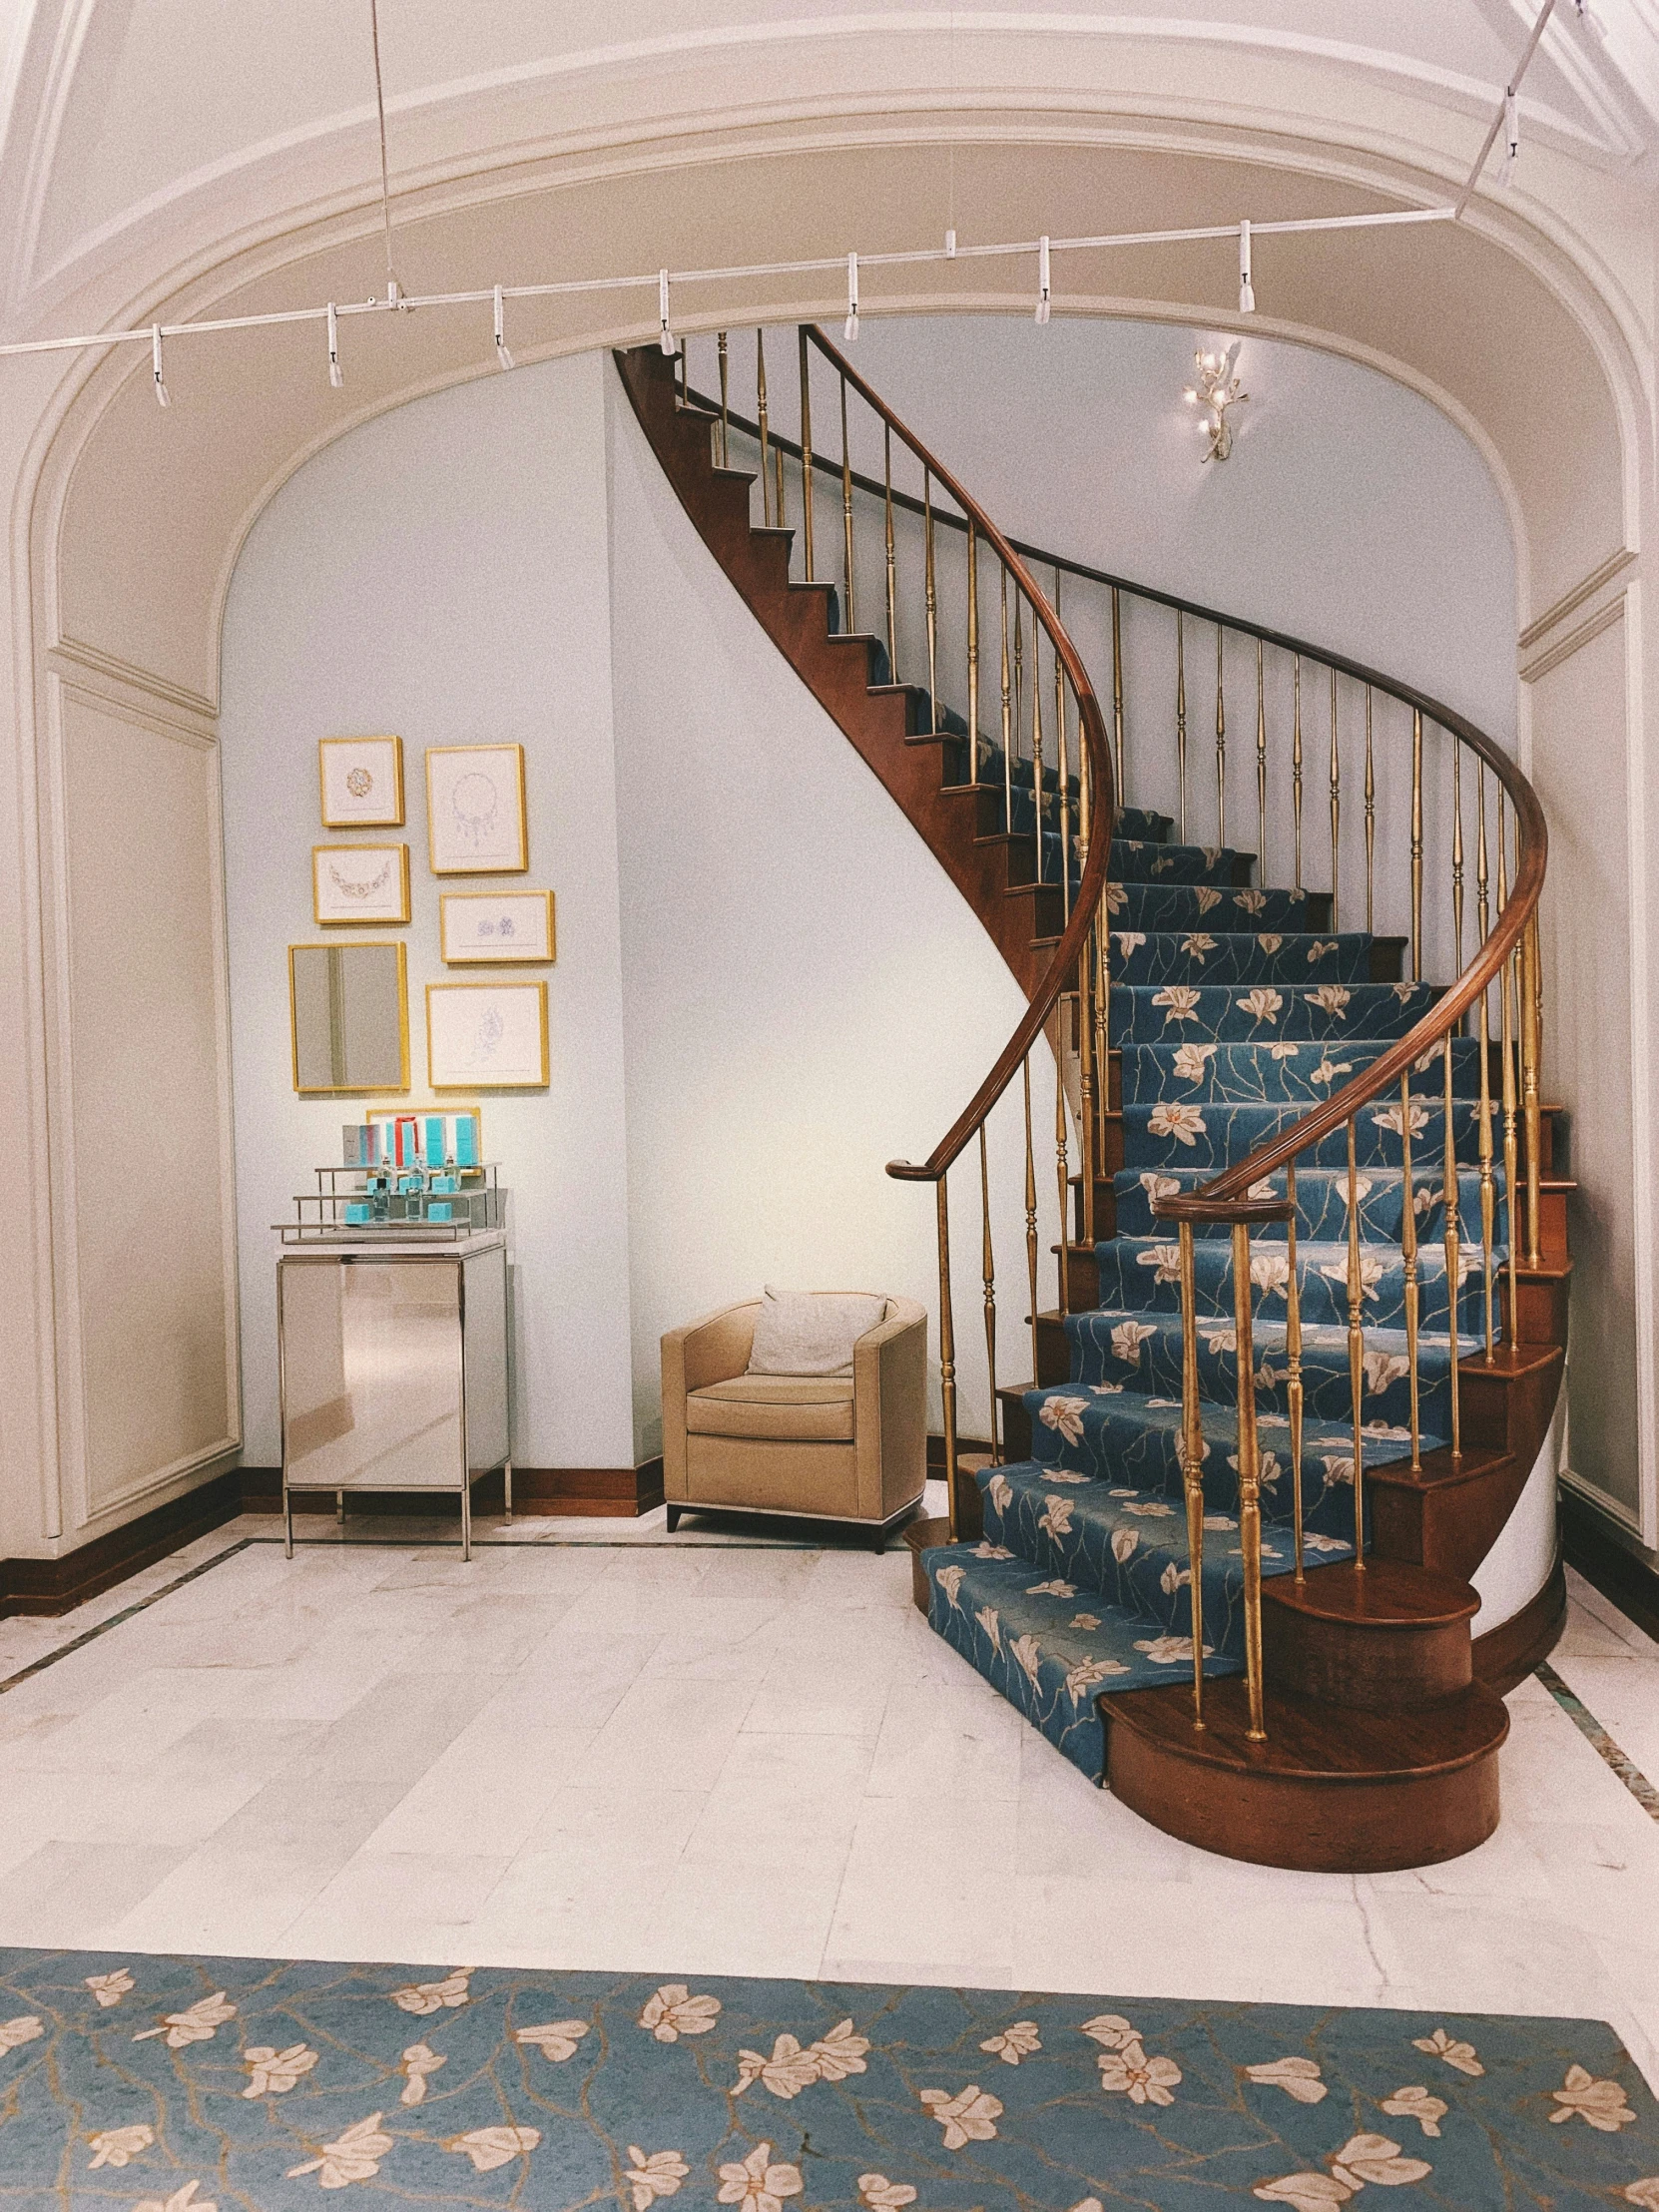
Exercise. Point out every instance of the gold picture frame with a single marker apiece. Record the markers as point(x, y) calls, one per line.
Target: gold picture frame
point(360, 782)
point(477, 816)
point(354, 890)
point(483, 1046)
point(506, 937)
point(323, 996)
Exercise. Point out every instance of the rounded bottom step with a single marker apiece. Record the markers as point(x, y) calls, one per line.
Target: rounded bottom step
point(1329, 1791)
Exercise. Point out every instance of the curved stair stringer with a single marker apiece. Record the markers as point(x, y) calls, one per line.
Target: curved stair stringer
point(882, 720)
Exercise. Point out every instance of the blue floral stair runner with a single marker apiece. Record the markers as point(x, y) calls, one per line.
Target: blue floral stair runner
point(165, 2084)
point(1233, 1017)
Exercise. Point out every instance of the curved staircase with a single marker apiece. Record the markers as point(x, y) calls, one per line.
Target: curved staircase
point(1258, 1095)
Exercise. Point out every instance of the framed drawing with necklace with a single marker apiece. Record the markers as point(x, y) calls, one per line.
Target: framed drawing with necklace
point(475, 812)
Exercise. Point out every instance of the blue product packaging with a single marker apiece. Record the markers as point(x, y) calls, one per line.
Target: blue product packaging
point(433, 1131)
point(445, 1183)
point(356, 1211)
point(439, 1210)
point(466, 1140)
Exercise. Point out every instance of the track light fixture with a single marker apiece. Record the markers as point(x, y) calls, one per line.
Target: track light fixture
point(502, 353)
point(164, 398)
point(1512, 133)
point(849, 328)
point(336, 375)
point(1043, 281)
point(665, 337)
point(1247, 291)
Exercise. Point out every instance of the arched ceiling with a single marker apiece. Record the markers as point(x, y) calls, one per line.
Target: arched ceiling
point(139, 136)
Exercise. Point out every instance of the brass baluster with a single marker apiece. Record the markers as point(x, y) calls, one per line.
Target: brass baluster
point(1296, 765)
point(1488, 1194)
point(761, 418)
point(1036, 735)
point(948, 1355)
point(1458, 851)
point(1102, 1053)
point(1409, 1260)
point(1250, 1484)
point(1088, 1074)
point(847, 512)
point(1062, 1166)
point(1221, 744)
point(778, 516)
point(1180, 714)
point(1416, 846)
point(1019, 672)
point(1007, 731)
point(1293, 1362)
point(1117, 690)
point(726, 404)
point(1355, 1349)
point(1506, 1047)
point(1531, 1011)
point(1192, 1461)
point(988, 1266)
point(806, 486)
point(1371, 826)
point(1032, 1215)
point(1452, 1248)
point(1063, 768)
point(1261, 771)
point(974, 647)
point(893, 567)
point(932, 609)
point(1336, 809)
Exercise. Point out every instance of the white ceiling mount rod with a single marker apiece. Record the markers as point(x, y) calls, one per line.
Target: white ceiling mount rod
point(164, 398)
point(849, 328)
point(1507, 118)
point(502, 352)
point(1247, 290)
point(337, 374)
point(665, 337)
point(1043, 287)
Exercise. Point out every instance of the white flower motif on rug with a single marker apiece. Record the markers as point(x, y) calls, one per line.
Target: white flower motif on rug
point(419, 2060)
point(181, 2200)
point(110, 1989)
point(1025, 1654)
point(1127, 1339)
point(1128, 2071)
point(198, 2024)
point(1055, 1518)
point(970, 2116)
point(556, 2041)
point(674, 2012)
point(274, 2072)
point(1298, 2077)
point(950, 1582)
point(1184, 1123)
point(1064, 1415)
point(354, 2156)
point(421, 1997)
point(26, 2029)
point(649, 2178)
point(756, 2184)
point(1166, 1259)
point(881, 2195)
point(119, 2146)
point(1180, 1001)
point(1416, 2105)
point(1441, 2045)
point(489, 2147)
point(1600, 2102)
point(1362, 2158)
point(1090, 1673)
point(1014, 2043)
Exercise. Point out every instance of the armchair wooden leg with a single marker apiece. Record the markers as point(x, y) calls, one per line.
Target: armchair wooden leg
point(672, 1512)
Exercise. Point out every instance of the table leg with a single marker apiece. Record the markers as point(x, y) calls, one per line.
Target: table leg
point(507, 1486)
point(466, 1520)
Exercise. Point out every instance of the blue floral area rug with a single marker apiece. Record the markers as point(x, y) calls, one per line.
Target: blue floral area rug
point(158, 2085)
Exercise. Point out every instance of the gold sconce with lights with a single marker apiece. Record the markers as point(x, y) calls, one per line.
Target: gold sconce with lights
point(1216, 393)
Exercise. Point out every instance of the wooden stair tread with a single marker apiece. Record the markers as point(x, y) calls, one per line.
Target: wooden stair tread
point(1386, 1593)
point(1306, 1742)
point(1440, 1470)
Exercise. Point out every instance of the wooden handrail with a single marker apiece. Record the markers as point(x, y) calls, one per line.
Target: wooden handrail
point(1091, 887)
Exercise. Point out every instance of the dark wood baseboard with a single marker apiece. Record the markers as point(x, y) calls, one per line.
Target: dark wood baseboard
point(583, 1492)
point(964, 1447)
point(50, 1586)
point(1508, 1653)
point(1608, 1566)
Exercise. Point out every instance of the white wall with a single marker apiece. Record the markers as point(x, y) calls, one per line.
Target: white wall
point(442, 573)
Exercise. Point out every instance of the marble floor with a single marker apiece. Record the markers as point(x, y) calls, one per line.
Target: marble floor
point(595, 1746)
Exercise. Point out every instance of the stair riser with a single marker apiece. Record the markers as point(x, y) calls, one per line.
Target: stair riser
point(1225, 1135)
point(1143, 1280)
point(1324, 1375)
point(1378, 1670)
point(1322, 1208)
point(1216, 1015)
point(1268, 1068)
point(1154, 907)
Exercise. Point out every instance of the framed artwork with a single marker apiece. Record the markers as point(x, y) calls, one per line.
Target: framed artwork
point(486, 1036)
point(349, 1013)
point(476, 815)
point(363, 782)
point(495, 928)
point(354, 883)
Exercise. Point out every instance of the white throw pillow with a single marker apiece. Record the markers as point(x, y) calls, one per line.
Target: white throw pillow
point(812, 1332)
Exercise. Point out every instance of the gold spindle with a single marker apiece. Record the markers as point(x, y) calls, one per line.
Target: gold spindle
point(1032, 1215)
point(1296, 764)
point(1371, 824)
point(1117, 690)
point(1261, 771)
point(1292, 1363)
point(892, 568)
point(807, 452)
point(932, 609)
point(1062, 1166)
point(1221, 744)
point(1037, 735)
point(761, 418)
point(988, 1267)
point(1458, 851)
point(725, 403)
point(847, 511)
point(1416, 846)
point(1192, 1460)
point(1336, 809)
point(1488, 1192)
point(1180, 714)
point(1355, 1349)
point(1102, 1054)
point(1087, 1077)
point(1506, 1049)
point(1452, 1243)
point(1019, 670)
point(1249, 1484)
point(1409, 1260)
point(1007, 730)
point(1531, 1054)
point(1063, 768)
point(974, 647)
point(948, 1355)
point(779, 517)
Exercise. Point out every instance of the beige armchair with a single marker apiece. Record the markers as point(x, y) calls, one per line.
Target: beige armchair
point(848, 1448)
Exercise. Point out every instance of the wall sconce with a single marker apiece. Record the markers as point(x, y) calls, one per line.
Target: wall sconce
point(1215, 390)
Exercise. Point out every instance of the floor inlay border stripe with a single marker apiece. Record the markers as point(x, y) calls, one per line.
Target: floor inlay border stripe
point(1637, 1782)
point(127, 1613)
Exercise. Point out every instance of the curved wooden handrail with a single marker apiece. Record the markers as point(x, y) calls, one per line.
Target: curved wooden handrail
point(1092, 725)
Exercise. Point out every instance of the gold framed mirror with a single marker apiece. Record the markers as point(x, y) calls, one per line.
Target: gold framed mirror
point(348, 1017)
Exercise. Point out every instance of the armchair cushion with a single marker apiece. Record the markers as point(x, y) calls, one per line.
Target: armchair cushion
point(787, 1409)
point(812, 1332)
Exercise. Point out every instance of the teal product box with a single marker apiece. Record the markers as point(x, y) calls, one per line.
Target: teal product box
point(466, 1140)
point(432, 1141)
point(445, 1183)
point(360, 1144)
point(356, 1211)
point(439, 1210)
point(408, 1182)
